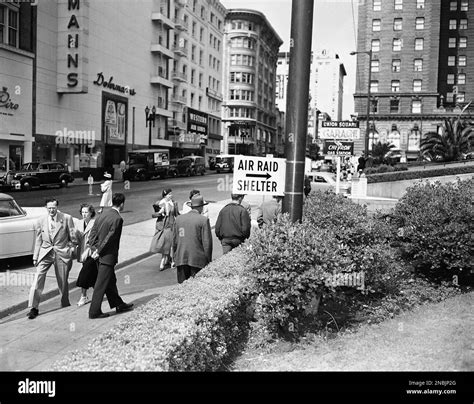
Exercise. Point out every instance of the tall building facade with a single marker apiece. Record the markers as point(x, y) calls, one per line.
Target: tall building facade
point(250, 58)
point(17, 59)
point(421, 65)
point(196, 97)
point(78, 90)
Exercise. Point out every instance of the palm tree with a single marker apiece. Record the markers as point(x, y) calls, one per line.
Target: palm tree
point(379, 151)
point(456, 137)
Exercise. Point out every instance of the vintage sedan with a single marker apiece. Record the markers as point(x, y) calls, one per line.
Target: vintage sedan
point(323, 181)
point(17, 236)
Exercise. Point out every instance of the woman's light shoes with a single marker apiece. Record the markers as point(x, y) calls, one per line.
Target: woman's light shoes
point(83, 300)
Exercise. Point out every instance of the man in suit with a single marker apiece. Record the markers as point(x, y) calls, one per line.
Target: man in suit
point(269, 210)
point(105, 242)
point(54, 245)
point(192, 240)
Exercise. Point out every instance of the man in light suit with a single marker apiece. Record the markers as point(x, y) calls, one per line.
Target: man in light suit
point(104, 240)
point(54, 245)
point(192, 240)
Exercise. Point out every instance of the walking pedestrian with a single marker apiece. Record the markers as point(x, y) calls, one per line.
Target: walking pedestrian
point(361, 163)
point(187, 205)
point(306, 186)
point(88, 274)
point(55, 243)
point(104, 240)
point(166, 211)
point(246, 205)
point(269, 210)
point(106, 189)
point(192, 240)
point(233, 224)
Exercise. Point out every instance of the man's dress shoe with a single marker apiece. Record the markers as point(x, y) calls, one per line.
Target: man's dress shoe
point(33, 313)
point(124, 307)
point(100, 315)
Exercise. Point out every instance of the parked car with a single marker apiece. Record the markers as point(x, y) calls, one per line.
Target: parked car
point(17, 235)
point(33, 175)
point(324, 181)
point(225, 162)
point(146, 164)
point(191, 165)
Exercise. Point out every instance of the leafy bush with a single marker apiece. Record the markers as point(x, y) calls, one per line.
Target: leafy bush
point(436, 224)
point(384, 168)
point(417, 174)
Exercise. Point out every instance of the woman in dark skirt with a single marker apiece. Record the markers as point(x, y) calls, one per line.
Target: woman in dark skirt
point(88, 274)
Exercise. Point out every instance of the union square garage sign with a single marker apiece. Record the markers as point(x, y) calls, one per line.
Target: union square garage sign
point(338, 148)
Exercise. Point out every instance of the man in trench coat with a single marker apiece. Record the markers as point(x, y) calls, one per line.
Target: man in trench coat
point(192, 240)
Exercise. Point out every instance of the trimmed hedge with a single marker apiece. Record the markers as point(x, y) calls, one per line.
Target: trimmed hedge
point(412, 175)
point(198, 325)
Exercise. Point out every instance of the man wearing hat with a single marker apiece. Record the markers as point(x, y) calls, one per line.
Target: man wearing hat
point(192, 240)
point(106, 188)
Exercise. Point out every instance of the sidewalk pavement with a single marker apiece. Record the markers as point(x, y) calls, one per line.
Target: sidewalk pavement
point(134, 244)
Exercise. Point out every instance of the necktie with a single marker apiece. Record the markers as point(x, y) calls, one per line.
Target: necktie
point(52, 227)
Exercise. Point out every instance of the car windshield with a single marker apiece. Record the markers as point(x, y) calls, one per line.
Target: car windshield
point(184, 162)
point(137, 160)
point(221, 160)
point(10, 208)
point(30, 166)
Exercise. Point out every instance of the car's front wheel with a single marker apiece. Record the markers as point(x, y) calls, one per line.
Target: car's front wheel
point(26, 186)
point(64, 183)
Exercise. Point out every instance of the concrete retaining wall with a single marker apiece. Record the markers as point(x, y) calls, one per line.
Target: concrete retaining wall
point(396, 189)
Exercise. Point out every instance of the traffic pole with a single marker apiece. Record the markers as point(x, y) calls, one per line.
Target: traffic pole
point(297, 106)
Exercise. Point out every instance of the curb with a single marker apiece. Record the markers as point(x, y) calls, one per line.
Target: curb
point(72, 285)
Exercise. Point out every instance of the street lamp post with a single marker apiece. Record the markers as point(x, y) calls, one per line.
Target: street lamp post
point(367, 129)
point(150, 118)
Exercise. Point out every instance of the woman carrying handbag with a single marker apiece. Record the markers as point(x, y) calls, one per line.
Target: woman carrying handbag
point(166, 211)
point(88, 274)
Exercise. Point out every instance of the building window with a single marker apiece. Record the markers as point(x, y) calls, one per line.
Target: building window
point(396, 63)
point(394, 105)
point(460, 97)
point(420, 23)
point(397, 24)
point(416, 107)
point(450, 79)
point(453, 5)
point(417, 85)
point(461, 61)
point(453, 24)
point(375, 25)
point(463, 42)
point(463, 23)
point(374, 106)
point(394, 137)
point(464, 5)
point(377, 5)
point(420, 4)
point(414, 139)
point(374, 86)
point(375, 65)
point(9, 26)
point(395, 86)
point(449, 97)
point(397, 45)
point(419, 43)
point(375, 45)
point(398, 4)
point(461, 78)
point(452, 43)
point(451, 60)
point(418, 65)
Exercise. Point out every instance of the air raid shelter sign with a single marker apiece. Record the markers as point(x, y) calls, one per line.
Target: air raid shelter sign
point(259, 175)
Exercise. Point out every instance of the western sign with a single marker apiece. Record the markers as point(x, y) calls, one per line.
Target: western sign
point(337, 148)
point(259, 175)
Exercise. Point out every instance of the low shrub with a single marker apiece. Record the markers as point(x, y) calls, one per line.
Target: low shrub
point(417, 174)
point(435, 225)
point(385, 168)
point(197, 325)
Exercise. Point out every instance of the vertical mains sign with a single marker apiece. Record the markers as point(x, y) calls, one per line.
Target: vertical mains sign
point(73, 39)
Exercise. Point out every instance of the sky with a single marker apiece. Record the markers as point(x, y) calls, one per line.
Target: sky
point(334, 27)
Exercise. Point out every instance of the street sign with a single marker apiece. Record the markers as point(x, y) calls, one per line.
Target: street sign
point(259, 175)
point(340, 130)
point(338, 148)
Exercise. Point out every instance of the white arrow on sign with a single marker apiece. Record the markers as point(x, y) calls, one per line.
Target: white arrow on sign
point(259, 175)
